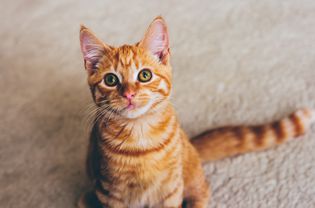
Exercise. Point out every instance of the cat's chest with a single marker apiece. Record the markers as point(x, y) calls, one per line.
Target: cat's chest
point(135, 170)
point(139, 185)
point(138, 167)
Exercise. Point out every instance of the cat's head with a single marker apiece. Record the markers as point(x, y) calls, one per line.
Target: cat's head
point(130, 80)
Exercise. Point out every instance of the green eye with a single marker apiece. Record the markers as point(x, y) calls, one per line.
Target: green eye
point(145, 75)
point(111, 79)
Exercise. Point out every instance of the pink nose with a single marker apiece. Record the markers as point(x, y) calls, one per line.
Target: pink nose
point(129, 95)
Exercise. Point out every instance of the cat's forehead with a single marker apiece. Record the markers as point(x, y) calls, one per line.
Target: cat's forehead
point(126, 57)
point(126, 60)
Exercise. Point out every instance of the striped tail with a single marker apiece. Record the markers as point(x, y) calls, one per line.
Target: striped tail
point(229, 141)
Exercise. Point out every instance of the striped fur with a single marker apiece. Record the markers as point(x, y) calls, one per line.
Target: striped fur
point(140, 157)
point(230, 141)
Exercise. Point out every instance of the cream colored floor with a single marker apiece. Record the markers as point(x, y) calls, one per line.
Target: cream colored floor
point(235, 62)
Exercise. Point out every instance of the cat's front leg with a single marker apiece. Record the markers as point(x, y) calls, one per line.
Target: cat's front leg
point(108, 198)
point(94, 199)
point(174, 197)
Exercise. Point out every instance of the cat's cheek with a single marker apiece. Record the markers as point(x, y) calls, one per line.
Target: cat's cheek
point(163, 86)
point(97, 95)
point(101, 94)
point(163, 89)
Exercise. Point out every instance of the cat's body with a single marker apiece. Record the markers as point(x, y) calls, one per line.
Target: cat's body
point(138, 155)
point(140, 174)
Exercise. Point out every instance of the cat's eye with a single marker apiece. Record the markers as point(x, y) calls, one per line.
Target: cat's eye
point(145, 75)
point(111, 79)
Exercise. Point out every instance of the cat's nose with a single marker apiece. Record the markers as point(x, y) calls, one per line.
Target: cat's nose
point(129, 95)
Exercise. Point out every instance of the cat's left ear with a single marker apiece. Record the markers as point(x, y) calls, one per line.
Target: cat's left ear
point(156, 40)
point(92, 49)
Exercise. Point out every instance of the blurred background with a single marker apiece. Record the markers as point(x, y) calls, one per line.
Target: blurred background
point(235, 62)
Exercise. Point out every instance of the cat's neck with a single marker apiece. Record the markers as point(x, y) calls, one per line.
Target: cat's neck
point(144, 132)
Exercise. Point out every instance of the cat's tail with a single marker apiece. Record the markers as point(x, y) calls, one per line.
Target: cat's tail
point(229, 141)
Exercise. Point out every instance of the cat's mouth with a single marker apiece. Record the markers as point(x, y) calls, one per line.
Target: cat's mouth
point(134, 104)
point(135, 109)
point(131, 106)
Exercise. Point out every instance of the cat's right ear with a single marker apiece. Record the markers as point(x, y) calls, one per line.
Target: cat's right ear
point(92, 49)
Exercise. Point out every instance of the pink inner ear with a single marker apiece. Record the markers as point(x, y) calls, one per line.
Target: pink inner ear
point(91, 47)
point(158, 42)
point(156, 39)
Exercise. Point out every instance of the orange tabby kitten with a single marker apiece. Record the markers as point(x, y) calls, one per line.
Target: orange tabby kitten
point(138, 155)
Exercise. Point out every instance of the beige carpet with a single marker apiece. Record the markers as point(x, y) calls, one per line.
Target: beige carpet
point(235, 62)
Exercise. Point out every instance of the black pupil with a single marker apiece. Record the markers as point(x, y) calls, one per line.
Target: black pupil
point(145, 74)
point(111, 79)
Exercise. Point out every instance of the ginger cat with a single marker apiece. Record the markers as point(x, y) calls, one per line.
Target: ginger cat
point(138, 154)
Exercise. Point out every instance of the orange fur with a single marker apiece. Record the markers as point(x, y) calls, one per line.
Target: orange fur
point(139, 156)
point(230, 141)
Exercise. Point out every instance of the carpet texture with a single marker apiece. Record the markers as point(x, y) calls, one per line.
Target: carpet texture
point(235, 62)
